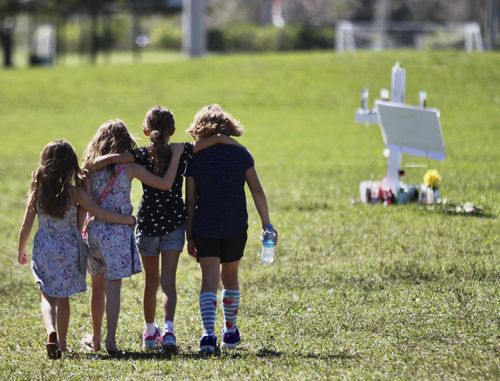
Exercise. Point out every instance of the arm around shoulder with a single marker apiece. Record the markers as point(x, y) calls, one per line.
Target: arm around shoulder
point(200, 145)
point(112, 158)
point(162, 183)
point(83, 200)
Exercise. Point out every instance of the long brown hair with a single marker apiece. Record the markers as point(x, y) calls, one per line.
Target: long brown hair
point(159, 125)
point(112, 136)
point(51, 182)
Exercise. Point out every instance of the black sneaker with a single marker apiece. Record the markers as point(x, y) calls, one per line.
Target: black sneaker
point(230, 339)
point(208, 344)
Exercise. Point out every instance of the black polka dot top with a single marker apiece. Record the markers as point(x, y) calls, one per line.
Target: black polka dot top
point(161, 212)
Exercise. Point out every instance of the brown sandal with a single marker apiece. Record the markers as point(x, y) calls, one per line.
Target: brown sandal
point(53, 351)
point(88, 345)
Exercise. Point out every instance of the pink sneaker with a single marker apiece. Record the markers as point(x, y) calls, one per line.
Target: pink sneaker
point(151, 342)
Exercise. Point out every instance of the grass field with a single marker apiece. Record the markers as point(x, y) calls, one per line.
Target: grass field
point(357, 291)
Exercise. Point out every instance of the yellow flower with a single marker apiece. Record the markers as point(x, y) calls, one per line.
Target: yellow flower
point(432, 178)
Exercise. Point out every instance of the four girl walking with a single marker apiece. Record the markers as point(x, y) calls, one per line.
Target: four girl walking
point(60, 255)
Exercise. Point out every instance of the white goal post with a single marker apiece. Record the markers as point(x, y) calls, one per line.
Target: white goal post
point(362, 35)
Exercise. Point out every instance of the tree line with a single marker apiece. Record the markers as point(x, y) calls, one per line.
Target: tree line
point(224, 13)
point(60, 10)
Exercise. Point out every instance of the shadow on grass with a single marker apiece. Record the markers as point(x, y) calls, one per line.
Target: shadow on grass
point(240, 353)
point(154, 355)
point(311, 206)
point(268, 352)
point(342, 355)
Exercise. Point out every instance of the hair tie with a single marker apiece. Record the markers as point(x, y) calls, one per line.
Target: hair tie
point(154, 135)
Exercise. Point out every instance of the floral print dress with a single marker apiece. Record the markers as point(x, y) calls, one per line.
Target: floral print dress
point(113, 248)
point(59, 261)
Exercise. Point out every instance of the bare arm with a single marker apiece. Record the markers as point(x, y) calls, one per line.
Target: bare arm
point(190, 206)
point(24, 233)
point(113, 158)
point(163, 183)
point(82, 199)
point(200, 145)
point(81, 215)
point(259, 197)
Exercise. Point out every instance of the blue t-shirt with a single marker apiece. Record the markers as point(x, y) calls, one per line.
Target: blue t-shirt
point(219, 175)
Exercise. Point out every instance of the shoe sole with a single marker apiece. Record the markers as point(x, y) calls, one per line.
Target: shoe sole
point(224, 345)
point(149, 345)
point(207, 349)
point(169, 349)
point(53, 353)
point(116, 354)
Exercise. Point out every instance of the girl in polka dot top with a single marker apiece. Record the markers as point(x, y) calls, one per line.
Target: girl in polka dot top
point(114, 255)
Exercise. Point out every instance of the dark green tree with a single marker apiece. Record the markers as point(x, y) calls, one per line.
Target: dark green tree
point(8, 11)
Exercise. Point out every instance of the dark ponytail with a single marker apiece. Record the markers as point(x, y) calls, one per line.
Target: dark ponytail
point(159, 124)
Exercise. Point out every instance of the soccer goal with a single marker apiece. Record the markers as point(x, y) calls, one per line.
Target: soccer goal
point(407, 35)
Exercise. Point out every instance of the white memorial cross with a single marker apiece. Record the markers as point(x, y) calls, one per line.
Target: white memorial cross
point(412, 130)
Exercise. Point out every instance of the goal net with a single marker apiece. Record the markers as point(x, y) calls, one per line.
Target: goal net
point(407, 35)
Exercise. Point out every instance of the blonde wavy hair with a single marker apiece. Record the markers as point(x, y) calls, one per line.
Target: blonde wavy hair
point(211, 120)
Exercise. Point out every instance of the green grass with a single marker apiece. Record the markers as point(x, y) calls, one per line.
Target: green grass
point(21, 58)
point(357, 291)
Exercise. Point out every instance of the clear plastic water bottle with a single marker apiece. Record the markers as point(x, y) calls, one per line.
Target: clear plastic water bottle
point(269, 238)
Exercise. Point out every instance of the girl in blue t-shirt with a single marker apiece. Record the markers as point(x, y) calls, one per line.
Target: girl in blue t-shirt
point(218, 220)
point(161, 220)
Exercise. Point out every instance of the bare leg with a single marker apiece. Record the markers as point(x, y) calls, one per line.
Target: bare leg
point(63, 314)
point(210, 274)
point(113, 290)
point(152, 269)
point(229, 275)
point(48, 308)
point(170, 260)
point(97, 306)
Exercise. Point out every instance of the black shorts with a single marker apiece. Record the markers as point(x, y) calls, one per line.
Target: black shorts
point(227, 249)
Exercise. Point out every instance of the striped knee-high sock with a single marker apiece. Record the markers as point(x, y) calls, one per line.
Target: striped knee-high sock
point(231, 304)
point(208, 308)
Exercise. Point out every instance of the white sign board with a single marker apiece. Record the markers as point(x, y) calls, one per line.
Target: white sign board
point(412, 130)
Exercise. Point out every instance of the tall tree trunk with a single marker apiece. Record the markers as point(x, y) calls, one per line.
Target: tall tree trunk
point(490, 16)
point(107, 38)
point(136, 31)
point(60, 37)
point(94, 35)
point(7, 40)
point(265, 12)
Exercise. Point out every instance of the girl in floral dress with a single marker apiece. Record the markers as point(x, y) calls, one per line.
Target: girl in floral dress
point(114, 253)
point(59, 262)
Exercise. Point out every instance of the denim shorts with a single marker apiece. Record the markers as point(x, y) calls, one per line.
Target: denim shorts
point(153, 246)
